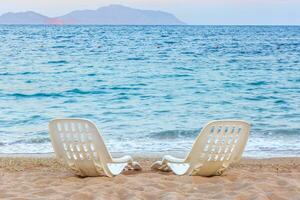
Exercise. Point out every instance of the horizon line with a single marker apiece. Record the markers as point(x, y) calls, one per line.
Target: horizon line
point(149, 25)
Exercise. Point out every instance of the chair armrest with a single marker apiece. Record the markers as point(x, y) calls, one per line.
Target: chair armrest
point(124, 159)
point(179, 168)
point(169, 158)
point(116, 168)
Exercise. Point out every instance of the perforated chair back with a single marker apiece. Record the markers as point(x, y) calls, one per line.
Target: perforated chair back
point(218, 144)
point(79, 144)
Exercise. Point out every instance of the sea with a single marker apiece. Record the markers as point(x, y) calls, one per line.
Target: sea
point(150, 89)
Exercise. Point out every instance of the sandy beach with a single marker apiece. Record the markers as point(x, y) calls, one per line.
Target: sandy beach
point(42, 177)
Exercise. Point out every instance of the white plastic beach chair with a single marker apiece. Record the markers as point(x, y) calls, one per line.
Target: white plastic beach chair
point(218, 145)
point(78, 143)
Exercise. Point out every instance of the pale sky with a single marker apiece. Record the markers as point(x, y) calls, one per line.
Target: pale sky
point(190, 11)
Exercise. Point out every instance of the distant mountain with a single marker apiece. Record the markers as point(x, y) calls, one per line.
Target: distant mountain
point(23, 18)
point(108, 15)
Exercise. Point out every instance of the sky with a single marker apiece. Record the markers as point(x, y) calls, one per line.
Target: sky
point(239, 12)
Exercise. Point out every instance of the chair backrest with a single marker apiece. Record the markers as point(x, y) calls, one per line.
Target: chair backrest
point(79, 142)
point(220, 142)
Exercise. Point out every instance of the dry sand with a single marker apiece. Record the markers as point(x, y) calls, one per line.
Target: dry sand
point(45, 178)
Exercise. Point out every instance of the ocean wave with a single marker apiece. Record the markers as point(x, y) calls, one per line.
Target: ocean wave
point(56, 94)
point(30, 73)
point(136, 58)
point(184, 69)
point(283, 132)
point(20, 73)
point(58, 47)
point(169, 42)
point(257, 98)
point(174, 134)
point(258, 83)
point(79, 91)
point(63, 37)
point(35, 95)
point(29, 120)
point(36, 140)
point(124, 88)
point(231, 85)
point(57, 62)
point(280, 101)
point(175, 75)
point(188, 53)
point(6, 74)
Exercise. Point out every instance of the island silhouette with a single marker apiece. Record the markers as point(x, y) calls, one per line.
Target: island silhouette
point(108, 15)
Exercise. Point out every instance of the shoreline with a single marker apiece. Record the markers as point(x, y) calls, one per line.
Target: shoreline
point(140, 155)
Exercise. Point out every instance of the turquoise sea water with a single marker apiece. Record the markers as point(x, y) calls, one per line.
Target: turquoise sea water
point(150, 88)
